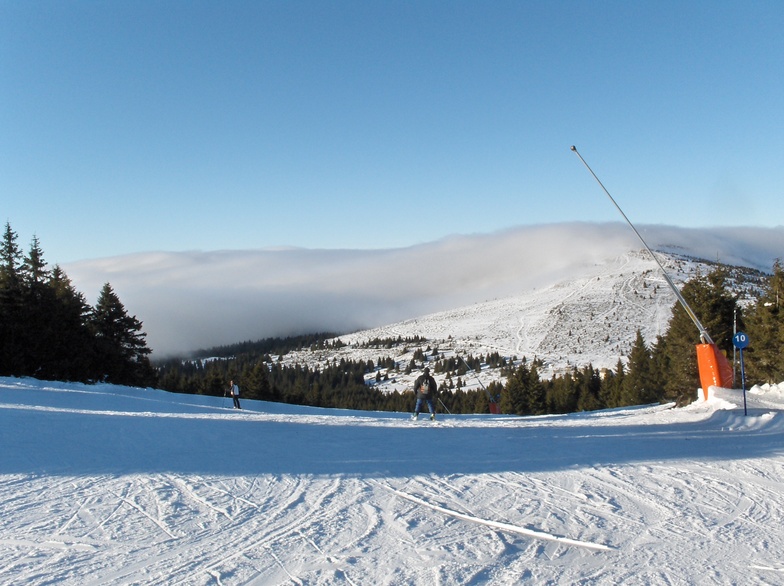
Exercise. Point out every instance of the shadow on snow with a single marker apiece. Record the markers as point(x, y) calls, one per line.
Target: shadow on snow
point(76, 436)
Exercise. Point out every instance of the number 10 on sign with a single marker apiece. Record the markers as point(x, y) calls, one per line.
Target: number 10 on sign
point(741, 341)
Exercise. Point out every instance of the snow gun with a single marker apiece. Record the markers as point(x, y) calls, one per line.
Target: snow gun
point(715, 369)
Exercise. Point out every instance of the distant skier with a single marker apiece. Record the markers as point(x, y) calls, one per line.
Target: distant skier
point(425, 388)
point(234, 390)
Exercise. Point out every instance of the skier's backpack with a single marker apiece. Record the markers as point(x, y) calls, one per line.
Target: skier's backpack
point(424, 388)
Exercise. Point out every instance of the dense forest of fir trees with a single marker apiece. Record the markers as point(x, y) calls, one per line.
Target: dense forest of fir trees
point(49, 332)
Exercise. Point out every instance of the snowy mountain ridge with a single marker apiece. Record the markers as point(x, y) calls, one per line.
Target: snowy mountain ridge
point(590, 318)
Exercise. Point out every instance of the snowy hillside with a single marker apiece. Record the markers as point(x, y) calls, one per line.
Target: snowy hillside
point(112, 485)
point(592, 317)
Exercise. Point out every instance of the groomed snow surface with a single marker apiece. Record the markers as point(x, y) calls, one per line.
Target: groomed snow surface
point(115, 485)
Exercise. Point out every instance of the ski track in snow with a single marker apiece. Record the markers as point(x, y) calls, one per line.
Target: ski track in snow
point(623, 507)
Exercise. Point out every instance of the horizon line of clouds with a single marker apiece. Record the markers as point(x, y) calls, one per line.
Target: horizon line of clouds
point(194, 300)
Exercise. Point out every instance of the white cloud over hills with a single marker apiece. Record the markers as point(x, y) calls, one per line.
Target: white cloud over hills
point(195, 299)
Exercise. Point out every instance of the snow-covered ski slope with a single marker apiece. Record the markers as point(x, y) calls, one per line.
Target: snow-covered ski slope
point(113, 485)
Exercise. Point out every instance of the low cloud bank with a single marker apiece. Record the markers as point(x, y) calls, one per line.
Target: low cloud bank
point(192, 300)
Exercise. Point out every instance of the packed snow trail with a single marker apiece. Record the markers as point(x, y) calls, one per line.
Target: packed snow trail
point(102, 484)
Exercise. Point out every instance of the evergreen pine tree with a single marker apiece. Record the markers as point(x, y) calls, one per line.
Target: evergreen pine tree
point(10, 256)
point(659, 366)
point(720, 309)
point(71, 342)
point(122, 352)
point(481, 404)
point(37, 335)
point(589, 386)
point(257, 385)
point(11, 317)
point(638, 386)
point(215, 382)
point(612, 385)
point(536, 396)
point(563, 394)
point(33, 269)
point(514, 398)
point(764, 359)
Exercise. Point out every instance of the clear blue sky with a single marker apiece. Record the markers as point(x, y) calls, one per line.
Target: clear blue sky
point(192, 125)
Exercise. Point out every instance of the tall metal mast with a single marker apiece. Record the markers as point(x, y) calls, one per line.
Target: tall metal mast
point(703, 332)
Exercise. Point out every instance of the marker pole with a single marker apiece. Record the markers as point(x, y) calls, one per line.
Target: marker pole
point(741, 341)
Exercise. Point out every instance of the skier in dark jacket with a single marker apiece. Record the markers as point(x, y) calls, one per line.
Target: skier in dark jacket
point(425, 388)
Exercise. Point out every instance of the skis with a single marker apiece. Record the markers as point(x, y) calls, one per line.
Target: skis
point(431, 418)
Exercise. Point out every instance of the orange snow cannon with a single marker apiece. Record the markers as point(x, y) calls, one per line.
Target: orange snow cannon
point(715, 369)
